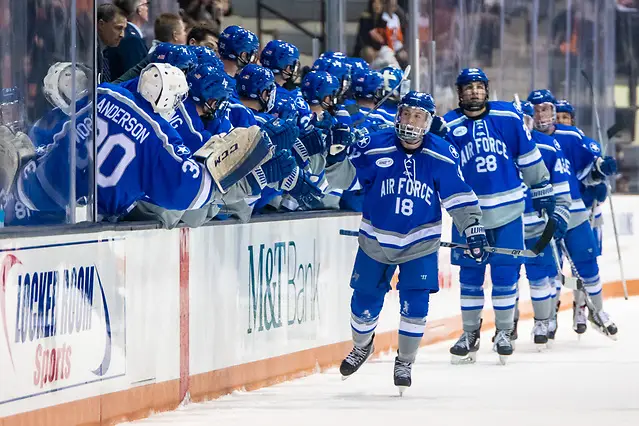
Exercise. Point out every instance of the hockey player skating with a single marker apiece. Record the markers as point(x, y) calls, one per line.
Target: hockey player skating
point(586, 166)
point(407, 174)
point(541, 271)
point(495, 148)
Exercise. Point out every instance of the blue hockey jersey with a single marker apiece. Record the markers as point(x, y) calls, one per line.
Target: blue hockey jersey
point(559, 170)
point(302, 107)
point(496, 149)
point(129, 168)
point(404, 194)
point(580, 155)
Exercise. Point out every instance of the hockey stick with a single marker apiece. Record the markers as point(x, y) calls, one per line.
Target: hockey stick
point(612, 209)
point(385, 98)
point(569, 282)
point(498, 250)
point(564, 249)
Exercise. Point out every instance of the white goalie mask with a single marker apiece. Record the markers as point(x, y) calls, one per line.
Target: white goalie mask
point(164, 87)
point(58, 85)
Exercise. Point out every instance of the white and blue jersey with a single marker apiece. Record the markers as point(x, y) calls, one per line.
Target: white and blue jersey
point(559, 172)
point(378, 117)
point(301, 106)
point(404, 194)
point(496, 151)
point(239, 115)
point(580, 157)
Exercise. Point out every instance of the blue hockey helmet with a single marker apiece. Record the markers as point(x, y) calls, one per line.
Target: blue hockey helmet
point(414, 116)
point(206, 55)
point(335, 66)
point(393, 84)
point(257, 83)
point(239, 44)
point(564, 107)
point(177, 55)
point(543, 102)
point(317, 86)
point(368, 85)
point(330, 54)
point(281, 58)
point(357, 65)
point(470, 101)
point(210, 88)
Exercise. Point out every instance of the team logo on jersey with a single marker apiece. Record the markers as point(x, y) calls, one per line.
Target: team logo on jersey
point(384, 162)
point(557, 146)
point(594, 147)
point(363, 141)
point(453, 151)
point(182, 150)
point(460, 131)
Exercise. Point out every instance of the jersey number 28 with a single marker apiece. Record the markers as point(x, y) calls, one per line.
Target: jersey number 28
point(488, 164)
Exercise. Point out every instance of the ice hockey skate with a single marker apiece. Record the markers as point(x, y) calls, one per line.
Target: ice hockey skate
point(540, 334)
point(579, 318)
point(602, 323)
point(402, 375)
point(503, 345)
point(355, 359)
point(464, 351)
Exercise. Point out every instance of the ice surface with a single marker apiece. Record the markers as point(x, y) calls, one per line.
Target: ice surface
point(592, 381)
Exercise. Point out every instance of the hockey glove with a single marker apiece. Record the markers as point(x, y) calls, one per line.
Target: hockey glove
point(279, 167)
point(606, 166)
point(543, 198)
point(282, 133)
point(561, 215)
point(599, 192)
point(15, 151)
point(302, 188)
point(438, 126)
point(313, 141)
point(476, 240)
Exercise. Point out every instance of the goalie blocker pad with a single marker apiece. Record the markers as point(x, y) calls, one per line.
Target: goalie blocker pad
point(231, 157)
point(15, 150)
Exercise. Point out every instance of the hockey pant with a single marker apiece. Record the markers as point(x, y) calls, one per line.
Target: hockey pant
point(371, 281)
point(504, 273)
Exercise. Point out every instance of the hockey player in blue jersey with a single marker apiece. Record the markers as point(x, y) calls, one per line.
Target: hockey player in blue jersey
point(587, 166)
point(593, 196)
point(408, 175)
point(368, 90)
point(392, 77)
point(496, 149)
point(238, 47)
point(283, 59)
point(541, 271)
point(129, 170)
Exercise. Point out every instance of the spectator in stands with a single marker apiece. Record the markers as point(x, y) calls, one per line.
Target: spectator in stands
point(383, 24)
point(111, 25)
point(132, 49)
point(209, 12)
point(168, 28)
point(203, 35)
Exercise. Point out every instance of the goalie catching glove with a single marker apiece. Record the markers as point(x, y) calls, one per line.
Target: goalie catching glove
point(15, 150)
point(231, 157)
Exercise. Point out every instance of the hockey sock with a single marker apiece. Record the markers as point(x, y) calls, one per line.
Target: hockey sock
point(589, 273)
point(541, 300)
point(503, 298)
point(517, 303)
point(365, 309)
point(553, 297)
point(414, 309)
point(472, 303)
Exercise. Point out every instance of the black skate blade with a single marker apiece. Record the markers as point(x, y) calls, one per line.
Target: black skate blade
point(605, 332)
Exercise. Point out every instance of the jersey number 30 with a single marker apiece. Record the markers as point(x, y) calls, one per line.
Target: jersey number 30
point(105, 147)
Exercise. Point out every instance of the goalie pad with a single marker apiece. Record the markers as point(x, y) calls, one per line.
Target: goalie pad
point(231, 157)
point(15, 150)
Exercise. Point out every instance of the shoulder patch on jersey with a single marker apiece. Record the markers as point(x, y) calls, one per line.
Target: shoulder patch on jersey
point(384, 162)
point(594, 147)
point(460, 131)
point(557, 146)
point(363, 142)
point(182, 150)
point(453, 151)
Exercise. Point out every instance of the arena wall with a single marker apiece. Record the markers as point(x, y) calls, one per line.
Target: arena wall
point(104, 327)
